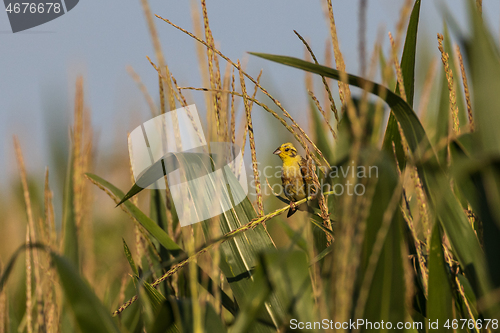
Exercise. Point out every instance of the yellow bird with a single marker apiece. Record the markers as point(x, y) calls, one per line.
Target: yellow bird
point(295, 176)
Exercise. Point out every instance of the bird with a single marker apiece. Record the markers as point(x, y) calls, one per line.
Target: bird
point(296, 178)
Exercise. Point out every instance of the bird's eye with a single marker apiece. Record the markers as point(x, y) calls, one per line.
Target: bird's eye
point(287, 149)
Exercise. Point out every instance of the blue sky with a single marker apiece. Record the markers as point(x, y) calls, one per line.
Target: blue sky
point(98, 39)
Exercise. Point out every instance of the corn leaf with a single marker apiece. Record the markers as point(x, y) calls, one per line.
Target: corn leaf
point(82, 300)
point(440, 299)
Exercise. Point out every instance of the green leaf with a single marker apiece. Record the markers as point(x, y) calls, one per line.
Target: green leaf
point(90, 314)
point(252, 306)
point(70, 245)
point(440, 299)
point(409, 53)
point(408, 71)
point(129, 258)
point(456, 225)
point(157, 208)
point(288, 274)
point(476, 177)
point(145, 221)
point(175, 315)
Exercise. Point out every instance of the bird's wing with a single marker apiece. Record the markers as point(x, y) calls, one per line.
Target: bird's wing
point(307, 176)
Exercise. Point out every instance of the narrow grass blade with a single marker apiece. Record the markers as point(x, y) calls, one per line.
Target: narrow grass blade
point(130, 260)
point(251, 307)
point(145, 221)
point(70, 240)
point(382, 290)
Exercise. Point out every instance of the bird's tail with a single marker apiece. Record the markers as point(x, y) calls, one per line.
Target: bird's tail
point(301, 207)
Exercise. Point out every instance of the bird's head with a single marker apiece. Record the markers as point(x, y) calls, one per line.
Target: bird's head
point(286, 151)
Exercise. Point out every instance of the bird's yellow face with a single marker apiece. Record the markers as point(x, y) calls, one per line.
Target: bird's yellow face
point(286, 151)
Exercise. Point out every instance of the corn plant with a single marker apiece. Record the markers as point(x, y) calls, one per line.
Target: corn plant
point(403, 232)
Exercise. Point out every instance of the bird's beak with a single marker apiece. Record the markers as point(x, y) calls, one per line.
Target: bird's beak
point(277, 152)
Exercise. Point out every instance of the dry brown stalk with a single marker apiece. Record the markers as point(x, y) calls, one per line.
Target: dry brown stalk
point(325, 215)
point(201, 54)
point(139, 242)
point(324, 79)
point(264, 106)
point(233, 113)
point(161, 92)
point(423, 206)
point(449, 77)
point(344, 90)
point(376, 250)
point(449, 260)
point(77, 151)
point(225, 104)
point(327, 97)
point(82, 158)
point(409, 221)
point(30, 235)
point(466, 89)
point(325, 116)
point(308, 76)
point(398, 68)
point(144, 90)
point(214, 82)
point(178, 94)
point(409, 276)
point(258, 190)
point(51, 241)
point(189, 114)
point(158, 51)
point(414, 174)
point(245, 132)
